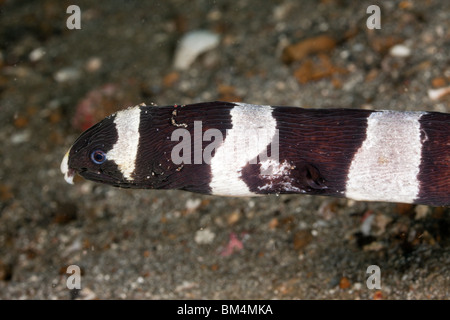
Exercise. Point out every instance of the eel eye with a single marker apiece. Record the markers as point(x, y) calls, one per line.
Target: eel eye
point(98, 156)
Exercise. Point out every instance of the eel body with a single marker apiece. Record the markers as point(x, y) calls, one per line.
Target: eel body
point(238, 149)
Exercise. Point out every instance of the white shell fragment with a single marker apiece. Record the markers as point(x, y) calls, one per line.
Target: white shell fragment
point(36, 54)
point(436, 94)
point(204, 236)
point(192, 45)
point(400, 51)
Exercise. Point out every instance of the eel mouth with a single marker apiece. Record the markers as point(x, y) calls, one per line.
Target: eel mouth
point(69, 173)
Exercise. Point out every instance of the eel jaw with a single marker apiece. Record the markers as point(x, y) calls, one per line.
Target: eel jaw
point(68, 172)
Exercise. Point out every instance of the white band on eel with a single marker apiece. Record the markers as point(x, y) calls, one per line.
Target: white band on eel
point(253, 130)
point(387, 165)
point(125, 150)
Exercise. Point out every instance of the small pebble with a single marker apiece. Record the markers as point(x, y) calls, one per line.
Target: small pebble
point(421, 212)
point(381, 222)
point(383, 44)
point(378, 295)
point(204, 236)
point(67, 74)
point(86, 294)
point(366, 226)
point(170, 79)
point(273, 223)
point(185, 285)
point(357, 286)
point(436, 94)
point(373, 246)
point(20, 137)
point(193, 204)
point(5, 193)
point(36, 54)
point(344, 283)
point(233, 217)
point(281, 11)
point(314, 45)
point(20, 122)
point(400, 51)
point(438, 82)
point(93, 64)
point(140, 280)
point(301, 239)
